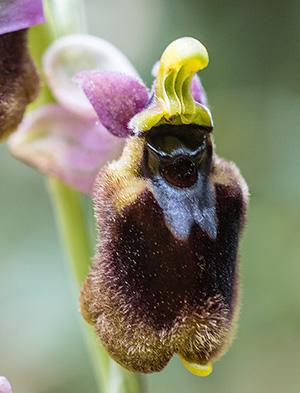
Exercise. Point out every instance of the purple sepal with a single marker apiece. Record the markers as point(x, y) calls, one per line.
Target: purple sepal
point(115, 97)
point(20, 14)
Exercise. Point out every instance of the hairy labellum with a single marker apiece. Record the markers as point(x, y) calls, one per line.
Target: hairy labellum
point(164, 280)
point(165, 277)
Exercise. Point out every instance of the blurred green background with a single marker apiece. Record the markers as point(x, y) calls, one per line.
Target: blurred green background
point(253, 86)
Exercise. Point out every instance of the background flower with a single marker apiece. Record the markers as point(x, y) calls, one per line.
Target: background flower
point(19, 80)
point(67, 140)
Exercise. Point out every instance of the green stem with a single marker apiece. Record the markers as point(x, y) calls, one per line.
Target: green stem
point(110, 377)
point(123, 381)
point(71, 221)
point(72, 227)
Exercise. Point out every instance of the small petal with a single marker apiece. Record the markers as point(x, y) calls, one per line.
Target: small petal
point(20, 14)
point(19, 80)
point(115, 97)
point(72, 54)
point(5, 386)
point(61, 144)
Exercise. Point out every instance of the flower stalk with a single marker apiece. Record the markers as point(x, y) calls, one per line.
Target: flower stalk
point(70, 219)
point(68, 209)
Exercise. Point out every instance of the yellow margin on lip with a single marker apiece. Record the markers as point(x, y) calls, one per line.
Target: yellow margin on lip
point(197, 369)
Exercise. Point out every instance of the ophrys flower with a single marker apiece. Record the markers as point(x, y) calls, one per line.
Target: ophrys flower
point(169, 212)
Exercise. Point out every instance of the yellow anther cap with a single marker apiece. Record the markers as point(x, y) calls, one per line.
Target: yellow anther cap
point(173, 102)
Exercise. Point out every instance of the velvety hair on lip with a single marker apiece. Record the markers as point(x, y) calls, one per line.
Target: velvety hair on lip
point(153, 292)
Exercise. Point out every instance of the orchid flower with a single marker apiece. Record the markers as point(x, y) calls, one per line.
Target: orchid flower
point(164, 279)
point(19, 79)
point(169, 211)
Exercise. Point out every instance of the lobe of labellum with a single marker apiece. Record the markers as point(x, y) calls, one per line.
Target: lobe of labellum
point(173, 101)
point(115, 97)
point(5, 386)
point(198, 369)
point(64, 145)
point(72, 54)
point(20, 14)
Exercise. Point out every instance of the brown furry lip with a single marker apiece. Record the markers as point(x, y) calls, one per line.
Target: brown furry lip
point(155, 289)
